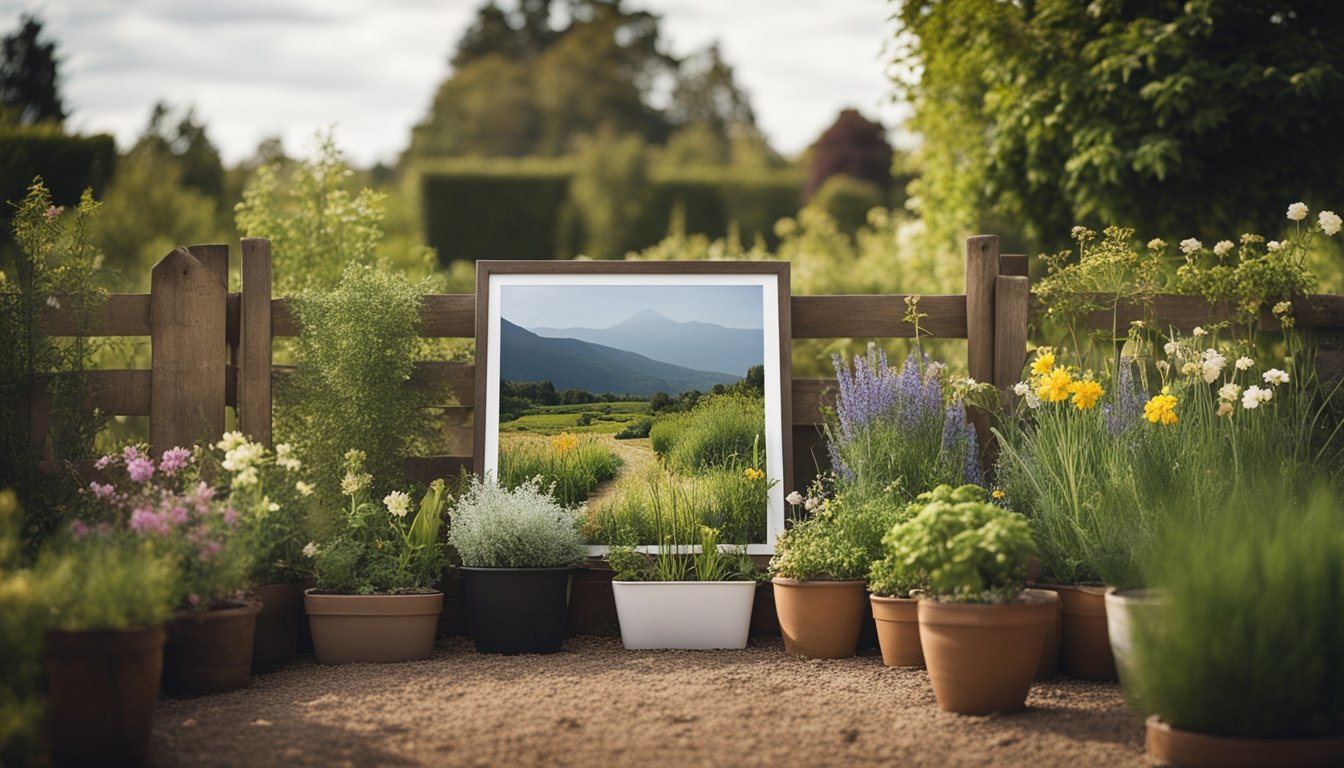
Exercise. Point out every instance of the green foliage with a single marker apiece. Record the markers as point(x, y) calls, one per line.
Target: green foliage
point(107, 581)
point(689, 551)
point(570, 467)
point(356, 350)
point(1148, 121)
point(728, 499)
point(1246, 643)
point(30, 76)
point(848, 200)
point(839, 540)
point(22, 618)
point(972, 551)
point(375, 550)
point(467, 207)
point(55, 266)
point(268, 489)
point(635, 429)
point(720, 431)
point(67, 164)
point(610, 191)
point(522, 527)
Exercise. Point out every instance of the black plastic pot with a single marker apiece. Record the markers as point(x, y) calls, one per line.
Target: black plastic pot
point(517, 610)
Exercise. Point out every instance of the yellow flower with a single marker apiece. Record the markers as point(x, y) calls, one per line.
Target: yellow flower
point(1045, 360)
point(564, 442)
point(1085, 394)
point(998, 493)
point(1054, 386)
point(754, 474)
point(1161, 409)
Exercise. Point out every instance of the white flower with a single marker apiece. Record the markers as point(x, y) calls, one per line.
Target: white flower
point(1330, 222)
point(398, 503)
point(1170, 348)
point(283, 450)
point(1275, 376)
point(230, 440)
point(1212, 365)
point(1273, 245)
point(1297, 211)
point(303, 488)
point(272, 507)
point(1021, 388)
point(1222, 247)
point(1244, 363)
point(53, 302)
point(245, 478)
point(1190, 245)
point(1199, 332)
point(1033, 400)
point(971, 382)
point(1282, 308)
point(1157, 244)
point(1229, 393)
point(810, 504)
point(1254, 396)
point(794, 498)
point(351, 483)
point(1190, 368)
point(310, 550)
point(1162, 365)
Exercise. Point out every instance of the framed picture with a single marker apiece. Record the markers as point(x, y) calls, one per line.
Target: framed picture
point(627, 386)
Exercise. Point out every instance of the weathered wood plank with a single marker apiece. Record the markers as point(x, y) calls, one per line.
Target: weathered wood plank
point(1011, 308)
point(838, 317)
point(255, 352)
point(982, 270)
point(426, 469)
point(809, 395)
point(1185, 312)
point(445, 315)
point(124, 314)
point(125, 391)
point(187, 330)
point(1013, 264)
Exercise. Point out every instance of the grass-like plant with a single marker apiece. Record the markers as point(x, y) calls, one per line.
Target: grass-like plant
point(493, 526)
point(730, 499)
point(1248, 640)
point(571, 466)
point(720, 430)
point(689, 549)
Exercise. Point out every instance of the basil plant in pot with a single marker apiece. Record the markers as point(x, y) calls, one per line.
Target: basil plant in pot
point(518, 548)
point(980, 631)
point(694, 593)
point(375, 599)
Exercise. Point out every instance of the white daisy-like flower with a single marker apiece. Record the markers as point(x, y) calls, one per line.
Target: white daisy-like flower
point(1212, 365)
point(1199, 332)
point(1190, 245)
point(1330, 222)
point(398, 503)
point(1229, 393)
point(1250, 399)
point(1244, 363)
point(303, 488)
point(1221, 247)
point(351, 483)
point(794, 498)
point(310, 550)
point(1297, 211)
point(1273, 245)
point(1021, 388)
point(1276, 376)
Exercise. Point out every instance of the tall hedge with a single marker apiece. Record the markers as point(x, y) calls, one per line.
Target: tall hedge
point(508, 209)
point(67, 164)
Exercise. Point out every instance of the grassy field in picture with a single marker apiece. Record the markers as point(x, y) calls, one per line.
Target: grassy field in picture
point(555, 419)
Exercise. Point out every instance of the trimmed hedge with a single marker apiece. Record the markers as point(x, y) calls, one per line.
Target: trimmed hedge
point(67, 164)
point(521, 209)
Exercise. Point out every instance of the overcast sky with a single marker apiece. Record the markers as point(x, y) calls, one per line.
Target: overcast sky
point(260, 68)
point(602, 306)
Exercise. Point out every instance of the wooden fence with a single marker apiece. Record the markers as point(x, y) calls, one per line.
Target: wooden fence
point(212, 349)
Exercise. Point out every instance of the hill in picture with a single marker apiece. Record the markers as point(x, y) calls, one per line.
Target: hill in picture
point(690, 344)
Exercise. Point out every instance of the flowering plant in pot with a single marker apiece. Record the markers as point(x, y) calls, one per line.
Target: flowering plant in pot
point(375, 600)
point(693, 593)
point(274, 500)
point(980, 632)
point(518, 548)
point(169, 502)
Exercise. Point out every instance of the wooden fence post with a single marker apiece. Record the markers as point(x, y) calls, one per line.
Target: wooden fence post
point(982, 270)
point(1012, 304)
point(254, 342)
point(188, 307)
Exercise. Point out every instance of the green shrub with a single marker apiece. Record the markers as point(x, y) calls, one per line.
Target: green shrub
point(722, 430)
point(848, 200)
point(107, 582)
point(522, 527)
point(1248, 642)
point(22, 618)
point(569, 466)
point(636, 429)
point(839, 541)
point(68, 164)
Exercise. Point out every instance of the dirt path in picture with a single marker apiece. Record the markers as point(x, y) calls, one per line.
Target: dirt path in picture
point(636, 456)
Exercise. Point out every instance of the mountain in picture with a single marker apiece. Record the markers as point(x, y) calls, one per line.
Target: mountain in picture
point(575, 364)
point(696, 345)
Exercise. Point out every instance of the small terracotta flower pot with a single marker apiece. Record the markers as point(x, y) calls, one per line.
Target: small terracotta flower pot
point(210, 651)
point(897, 620)
point(103, 686)
point(820, 619)
point(277, 637)
point(1049, 666)
point(982, 658)
point(1085, 648)
point(373, 628)
point(1170, 746)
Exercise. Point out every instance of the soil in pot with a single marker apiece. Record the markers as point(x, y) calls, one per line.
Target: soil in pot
point(517, 610)
point(982, 658)
point(277, 636)
point(897, 620)
point(210, 651)
point(1085, 647)
point(103, 686)
point(1170, 746)
point(373, 628)
point(820, 619)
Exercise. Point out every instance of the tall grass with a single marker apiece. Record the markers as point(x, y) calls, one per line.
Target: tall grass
point(725, 499)
point(571, 466)
point(720, 431)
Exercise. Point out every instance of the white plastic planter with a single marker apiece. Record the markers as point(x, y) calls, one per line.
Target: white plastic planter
point(694, 615)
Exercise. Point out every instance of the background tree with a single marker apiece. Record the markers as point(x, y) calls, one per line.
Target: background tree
point(177, 134)
point(853, 146)
point(29, 76)
point(1204, 117)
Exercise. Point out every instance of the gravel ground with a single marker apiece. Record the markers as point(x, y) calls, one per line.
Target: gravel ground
point(596, 704)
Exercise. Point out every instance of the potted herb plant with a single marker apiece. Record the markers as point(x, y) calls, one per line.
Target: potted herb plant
point(895, 589)
point(375, 600)
point(518, 548)
point(981, 633)
point(209, 645)
point(271, 495)
point(692, 594)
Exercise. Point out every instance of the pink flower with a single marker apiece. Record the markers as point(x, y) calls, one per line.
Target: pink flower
point(193, 600)
point(178, 515)
point(130, 453)
point(78, 529)
point(103, 463)
point(104, 491)
point(143, 520)
point(55, 210)
point(230, 516)
point(208, 550)
point(140, 469)
point(174, 459)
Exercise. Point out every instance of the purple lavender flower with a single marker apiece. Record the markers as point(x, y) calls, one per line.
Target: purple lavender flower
point(140, 469)
point(144, 520)
point(173, 460)
point(959, 443)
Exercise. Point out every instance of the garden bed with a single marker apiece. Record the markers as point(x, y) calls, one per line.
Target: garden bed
point(597, 704)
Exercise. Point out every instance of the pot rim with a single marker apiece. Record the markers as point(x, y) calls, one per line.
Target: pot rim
point(312, 592)
point(719, 583)
point(831, 583)
point(1156, 723)
point(235, 608)
point(893, 600)
point(539, 569)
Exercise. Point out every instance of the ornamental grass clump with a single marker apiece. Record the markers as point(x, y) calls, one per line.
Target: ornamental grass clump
point(968, 549)
point(721, 430)
point(522, 527)
point(689, 550)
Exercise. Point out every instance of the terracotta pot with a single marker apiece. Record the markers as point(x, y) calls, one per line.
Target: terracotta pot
point(1170, 746)
point(820, 619)
point(103, 686)
point(1049, 666)
point(517, 610)
point(982, 658)
point(1085, 648)
point(1125, 609)
point(897, 620)
point(372, 628)
point(210, 651)
point(277, 638)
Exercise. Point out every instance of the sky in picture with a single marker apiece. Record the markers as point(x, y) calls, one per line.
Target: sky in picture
point(602, 306)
